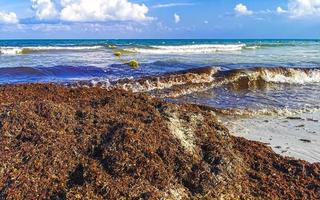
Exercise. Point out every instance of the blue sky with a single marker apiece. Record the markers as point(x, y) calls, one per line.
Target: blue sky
point(159, 19)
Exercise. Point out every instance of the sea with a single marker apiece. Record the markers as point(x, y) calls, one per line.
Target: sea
point(249, 79)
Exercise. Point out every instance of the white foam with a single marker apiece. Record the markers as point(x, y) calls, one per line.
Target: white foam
point(194, 49)
point(10, 50)
point(296, 76)
point(277, 75)
point(161, 83)
point(252, 47)
point(20, 50)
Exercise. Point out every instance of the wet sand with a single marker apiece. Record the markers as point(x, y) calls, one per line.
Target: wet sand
point(90, 143)
point(297, 136)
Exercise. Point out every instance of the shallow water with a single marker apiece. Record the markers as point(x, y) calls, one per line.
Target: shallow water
point(275, 98)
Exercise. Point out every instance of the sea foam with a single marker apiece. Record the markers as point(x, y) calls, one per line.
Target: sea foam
point(201, 79)
point(180, 49)
point(26, 50)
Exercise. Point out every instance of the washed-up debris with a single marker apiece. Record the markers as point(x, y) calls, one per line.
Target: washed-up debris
point(89, 143)
point(305, 140)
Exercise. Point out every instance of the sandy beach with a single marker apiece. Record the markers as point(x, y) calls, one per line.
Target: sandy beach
point(90, 143)
point(295, 136)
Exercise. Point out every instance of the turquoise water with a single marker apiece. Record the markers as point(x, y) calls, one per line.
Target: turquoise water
point(29, 61)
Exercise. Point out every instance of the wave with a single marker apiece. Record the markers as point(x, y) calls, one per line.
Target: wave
point(276, 44)
point(155, 49)
point(162, 86)
point(201, 79)
point(252, 47)
point(177, 83)
point(271, 75)
point(27, 50)
point(191, 49)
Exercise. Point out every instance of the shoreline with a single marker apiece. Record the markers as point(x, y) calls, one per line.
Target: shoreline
point(63, 142)
point(295, 136)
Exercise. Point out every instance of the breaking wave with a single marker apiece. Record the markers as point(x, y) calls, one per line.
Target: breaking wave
point(201, 79)
point(167, 85)
point(272, 75)
point(27, 50)
point(175, 84)
point(190, 49)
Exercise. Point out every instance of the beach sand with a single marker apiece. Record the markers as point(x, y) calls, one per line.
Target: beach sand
point(296, 136)
point(89, 143)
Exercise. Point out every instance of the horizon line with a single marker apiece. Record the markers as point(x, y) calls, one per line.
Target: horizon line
point(159, 39)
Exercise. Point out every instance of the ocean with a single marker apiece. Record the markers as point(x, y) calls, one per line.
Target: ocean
point(278, 78)
point(295, 86)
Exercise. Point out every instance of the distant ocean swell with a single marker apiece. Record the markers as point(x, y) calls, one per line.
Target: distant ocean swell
point(28, 50)
point(147, 49)
point(205, 48)
point(153, 49)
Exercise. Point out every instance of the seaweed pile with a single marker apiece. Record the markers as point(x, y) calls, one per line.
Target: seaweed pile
point(89, 143)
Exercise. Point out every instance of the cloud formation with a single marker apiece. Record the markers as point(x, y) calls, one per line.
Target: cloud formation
point(177, 18)
point(241, 9)
point(8, 18)
point(302, 8)
point(88, 10)
point(281, 10)
point(45, 9)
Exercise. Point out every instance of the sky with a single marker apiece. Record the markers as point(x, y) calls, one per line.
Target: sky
point(117, 19)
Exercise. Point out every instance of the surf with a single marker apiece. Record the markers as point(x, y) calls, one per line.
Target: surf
point(189, 49)
point(28, 50)
point(200, 79)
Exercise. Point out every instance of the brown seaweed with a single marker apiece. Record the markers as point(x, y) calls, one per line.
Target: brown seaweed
point(89, 143)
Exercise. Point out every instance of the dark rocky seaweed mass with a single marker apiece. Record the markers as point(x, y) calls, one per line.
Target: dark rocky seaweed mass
point(89, 143)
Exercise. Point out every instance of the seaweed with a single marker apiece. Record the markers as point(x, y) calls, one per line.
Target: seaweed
point(89, 143)
point(133, 64)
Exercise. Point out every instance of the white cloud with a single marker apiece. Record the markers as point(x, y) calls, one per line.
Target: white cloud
point(102, 10)
point(241, 9)
point(281, 10)
point(168, 5)
point(301, 8)
point(45, 9)
point(206, 22)
point(89, 10)
point(177, 18)
point(8, 18)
